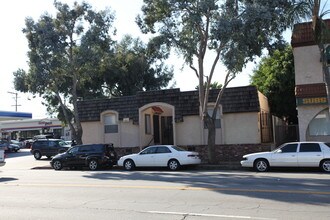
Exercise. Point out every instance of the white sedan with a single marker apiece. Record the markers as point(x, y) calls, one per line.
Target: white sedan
point(295, 154)
point(160, 156)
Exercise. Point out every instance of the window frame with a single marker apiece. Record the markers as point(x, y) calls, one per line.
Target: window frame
point(110, 128)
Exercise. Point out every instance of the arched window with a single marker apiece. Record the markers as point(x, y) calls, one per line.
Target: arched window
point(320, 125)
point(110, 123)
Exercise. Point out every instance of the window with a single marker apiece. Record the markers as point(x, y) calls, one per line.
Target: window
point(163, 150)
point(150, 150)
point(147, 124)
point(289, 148)
point(320, 125)
point(310, 147)
point(110, 123)
point(217, 117)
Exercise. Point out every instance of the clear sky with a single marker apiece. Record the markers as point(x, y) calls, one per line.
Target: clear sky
point(14, 48)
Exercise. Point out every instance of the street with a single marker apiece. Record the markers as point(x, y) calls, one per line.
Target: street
point(30, 190)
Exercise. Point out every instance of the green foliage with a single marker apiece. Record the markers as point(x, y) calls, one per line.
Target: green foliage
point(236, 31)
point(214, 85)
point(275, 78)
point(135, 67)
point(65, 57)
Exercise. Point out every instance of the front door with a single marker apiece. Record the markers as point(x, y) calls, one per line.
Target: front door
point(167, 130)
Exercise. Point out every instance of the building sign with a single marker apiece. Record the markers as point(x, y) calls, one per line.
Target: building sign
point(312, 101)
point(45, 123)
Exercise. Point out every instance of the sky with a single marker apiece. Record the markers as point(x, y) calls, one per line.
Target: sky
point(14, 48)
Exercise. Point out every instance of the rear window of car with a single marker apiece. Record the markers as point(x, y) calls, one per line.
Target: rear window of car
point(310, 147)
point(178, 148)
point(327, 144)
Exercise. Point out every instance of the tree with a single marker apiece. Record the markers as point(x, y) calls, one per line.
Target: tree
point(65, 54)
point(136, 67)
point(275, 78)
point(235, 31)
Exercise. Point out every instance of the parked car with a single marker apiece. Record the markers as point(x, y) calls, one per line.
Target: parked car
point(2, 157)
point(48, 148)
point(4, 145)
point(160, 156)
point(90, 155)
point(294, 154)
point(13, 147)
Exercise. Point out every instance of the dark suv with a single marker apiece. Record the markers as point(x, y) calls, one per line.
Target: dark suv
point(48, 148)
point(91, 155)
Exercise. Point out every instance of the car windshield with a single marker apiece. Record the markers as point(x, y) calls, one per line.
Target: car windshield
point(328, 144)
point(178, 148)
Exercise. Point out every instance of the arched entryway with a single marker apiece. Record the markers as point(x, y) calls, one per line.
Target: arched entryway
point(319, 127)
point(157, 125)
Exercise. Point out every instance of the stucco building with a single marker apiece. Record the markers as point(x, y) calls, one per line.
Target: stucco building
point(311, 96)
point(172, 117)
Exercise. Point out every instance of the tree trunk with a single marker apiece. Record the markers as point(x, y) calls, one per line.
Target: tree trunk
point(210, 123)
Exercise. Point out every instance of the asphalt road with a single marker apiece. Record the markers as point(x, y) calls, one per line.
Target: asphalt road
point(30, 190)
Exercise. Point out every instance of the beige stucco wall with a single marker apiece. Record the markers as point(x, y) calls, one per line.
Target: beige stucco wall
point(305, 115)
point(308, 68)
point(92, 132)
point(189, 131)
point(129, 134)
point(241, 128)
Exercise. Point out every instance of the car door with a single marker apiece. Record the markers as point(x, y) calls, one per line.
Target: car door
point(309, 155)
point(285, 156)
point(162, 156)
point(53, 148)
point(146, 157)
point(72, 157)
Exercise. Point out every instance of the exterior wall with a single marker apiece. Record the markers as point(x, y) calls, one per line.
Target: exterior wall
point(241, 128)
point(308, 68)
point(129, 134)
point(263, 101)
point(305, 116)
point(146, 138)
point(93, 132)
point(189, 131)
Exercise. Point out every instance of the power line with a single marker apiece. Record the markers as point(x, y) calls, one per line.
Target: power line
point(16, 98)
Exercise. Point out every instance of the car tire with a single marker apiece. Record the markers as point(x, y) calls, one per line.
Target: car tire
point(325, 165)
point(261, 165)
point(129, 165)
point(37, 155)
point(93, 164)
point(173, 165)
point(57, 165)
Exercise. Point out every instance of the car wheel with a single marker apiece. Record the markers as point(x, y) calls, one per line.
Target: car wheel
point(57, 165)
point(261, 165)
point(173, 165)
point(92, 165)
point(129, 164)
point(325, 165)
point(37, 155)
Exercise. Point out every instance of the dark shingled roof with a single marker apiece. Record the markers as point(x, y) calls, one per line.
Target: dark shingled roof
point(235, 100)
point(302, 34)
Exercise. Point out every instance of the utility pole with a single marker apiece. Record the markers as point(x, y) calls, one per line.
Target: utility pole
point(16, 97)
